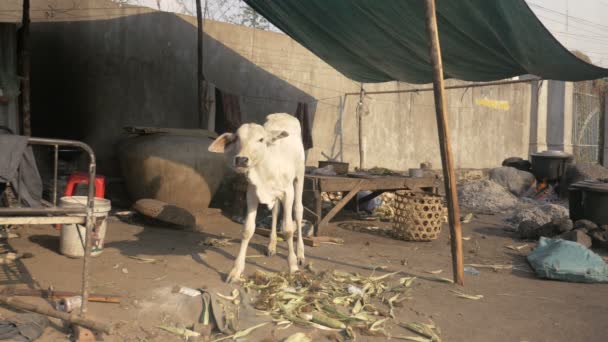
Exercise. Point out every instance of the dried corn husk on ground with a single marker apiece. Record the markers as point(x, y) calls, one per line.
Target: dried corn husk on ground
point(386, 211)
point(332, 197)
point(430, 331)
point(388, 198)
point(330, 300)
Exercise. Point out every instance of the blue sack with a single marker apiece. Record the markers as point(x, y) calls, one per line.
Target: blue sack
point(370, 205)
point(567, 261)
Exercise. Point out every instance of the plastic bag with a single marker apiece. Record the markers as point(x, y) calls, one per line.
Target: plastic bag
point(567, 261)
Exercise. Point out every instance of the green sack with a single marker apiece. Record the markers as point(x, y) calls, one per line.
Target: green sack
point(567, 261)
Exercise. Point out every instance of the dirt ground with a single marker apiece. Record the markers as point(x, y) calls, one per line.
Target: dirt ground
point(516, 305)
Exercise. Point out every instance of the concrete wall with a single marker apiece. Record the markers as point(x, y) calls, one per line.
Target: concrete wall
point(90, 78)
point(488, 124)
point(551, 116)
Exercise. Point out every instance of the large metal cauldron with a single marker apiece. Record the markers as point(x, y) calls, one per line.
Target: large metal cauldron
point(176, 168)
point(589, 200)
point(550, 165)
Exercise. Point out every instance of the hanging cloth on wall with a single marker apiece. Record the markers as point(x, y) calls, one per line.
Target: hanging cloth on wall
point(231, 117)
point(303, 117)
point(209, 89)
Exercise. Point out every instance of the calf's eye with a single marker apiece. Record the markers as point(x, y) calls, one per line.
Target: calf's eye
point(261, 140)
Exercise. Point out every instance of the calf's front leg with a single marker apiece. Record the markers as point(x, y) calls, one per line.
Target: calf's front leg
point(272, 245)
point(239, 263)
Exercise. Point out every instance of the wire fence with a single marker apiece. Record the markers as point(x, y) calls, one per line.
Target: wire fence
point(587, 113)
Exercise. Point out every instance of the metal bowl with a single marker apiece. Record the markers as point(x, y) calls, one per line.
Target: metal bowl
point(339, 167)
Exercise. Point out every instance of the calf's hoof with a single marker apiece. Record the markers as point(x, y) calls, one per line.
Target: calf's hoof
point(271, 251)
point(301, 260)
point(234, 276)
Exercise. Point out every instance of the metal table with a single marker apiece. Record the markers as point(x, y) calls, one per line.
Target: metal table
point(352, 185)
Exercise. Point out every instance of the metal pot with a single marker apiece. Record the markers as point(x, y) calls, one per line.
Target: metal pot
point(589, 200)
point(416, 173)
point(339, 167)
point(550, 165)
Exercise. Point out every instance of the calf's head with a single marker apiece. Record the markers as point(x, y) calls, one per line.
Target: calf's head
point(247, 147)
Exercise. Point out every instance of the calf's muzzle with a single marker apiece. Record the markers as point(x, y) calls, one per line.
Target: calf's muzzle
point(241, 161)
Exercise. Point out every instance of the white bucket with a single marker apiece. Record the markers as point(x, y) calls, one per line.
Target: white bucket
point(73, 235)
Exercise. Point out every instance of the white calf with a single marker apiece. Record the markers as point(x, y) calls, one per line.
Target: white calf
point(272, 158)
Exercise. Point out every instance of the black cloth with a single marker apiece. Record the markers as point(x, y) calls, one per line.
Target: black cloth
point(16, 155)
point(302, 116)
point(23, 327)
point(12, 148)
point(228, 115)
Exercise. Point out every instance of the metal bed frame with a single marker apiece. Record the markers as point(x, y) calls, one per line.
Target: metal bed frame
point(51, 214)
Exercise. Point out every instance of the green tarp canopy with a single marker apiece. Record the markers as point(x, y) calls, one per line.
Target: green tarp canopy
point(386, 40)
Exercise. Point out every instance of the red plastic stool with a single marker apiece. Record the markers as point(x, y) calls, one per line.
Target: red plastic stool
point(83, 178)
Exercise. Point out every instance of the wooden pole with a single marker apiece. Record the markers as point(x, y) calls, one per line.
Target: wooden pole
point(603, 112)
point(447, 159)
point(24, 62)
point(360, 110)
point(72, 318)
point(603, 146)
point(50, 294)
point(90, 223)
point(201, 88)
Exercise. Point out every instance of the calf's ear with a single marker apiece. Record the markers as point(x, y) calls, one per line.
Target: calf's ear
point(222, 142)
point(276, 135)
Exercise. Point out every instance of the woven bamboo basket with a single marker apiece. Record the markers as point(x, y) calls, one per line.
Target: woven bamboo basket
point(418, 216)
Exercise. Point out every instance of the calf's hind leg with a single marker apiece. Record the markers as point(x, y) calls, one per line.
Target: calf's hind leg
point(288, 228)
point(299, 213)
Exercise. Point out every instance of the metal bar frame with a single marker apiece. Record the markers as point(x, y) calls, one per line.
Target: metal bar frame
point(460, 86)
point(40, 211)
point(23, 220)
point(45, 212)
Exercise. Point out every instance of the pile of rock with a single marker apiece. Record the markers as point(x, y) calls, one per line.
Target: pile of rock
point(462, 175)
point(584, 171)
point(538, 214)
point(584, 232)
point(518, 182)
point(501, 192)
point(486, 196)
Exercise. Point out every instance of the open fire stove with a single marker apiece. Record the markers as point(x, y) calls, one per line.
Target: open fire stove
point(549, 168)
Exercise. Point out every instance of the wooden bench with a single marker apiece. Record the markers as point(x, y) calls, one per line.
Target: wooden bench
point(352, 185)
